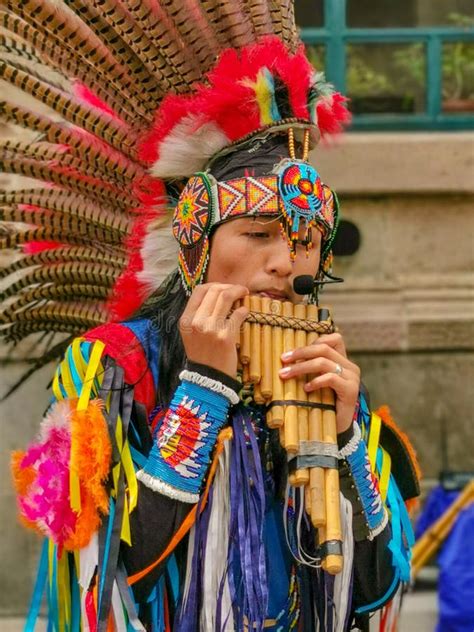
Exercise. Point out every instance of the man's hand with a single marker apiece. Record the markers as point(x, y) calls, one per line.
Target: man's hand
point(318, 362)
point(210, 329)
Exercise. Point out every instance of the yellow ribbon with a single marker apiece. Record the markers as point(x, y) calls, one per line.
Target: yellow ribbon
point(92, 369)
point(385, 474)
point(374, 436)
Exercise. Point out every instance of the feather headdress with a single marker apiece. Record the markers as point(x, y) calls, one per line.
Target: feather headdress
point(120, 101)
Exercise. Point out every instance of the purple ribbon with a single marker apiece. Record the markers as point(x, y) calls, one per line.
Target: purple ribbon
point(248, 580)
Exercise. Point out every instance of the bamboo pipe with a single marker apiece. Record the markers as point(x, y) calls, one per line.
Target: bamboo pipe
point(266, 353)
point(333, 531)
point(255, 346)
point(301, 475)
point(277, 414)
point(289, 389)
point(315, 430)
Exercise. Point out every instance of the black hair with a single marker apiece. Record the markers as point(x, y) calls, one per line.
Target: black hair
point(164, 309)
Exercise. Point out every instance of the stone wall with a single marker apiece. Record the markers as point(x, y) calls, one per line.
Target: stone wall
point(407, 306)
point(406, 310)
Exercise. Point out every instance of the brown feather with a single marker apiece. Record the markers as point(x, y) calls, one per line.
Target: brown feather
point(16, 239)
point(64, 274)
point(44, 151)
point(160, 28)
point(104, 126)
point(91, 151)
point(88, 314)
point(68, 206)
point(117, 96)
point(63, 201)
point(69, 179)
point(62, 255)
point(70, 32)
point(18, 331)
point(75, 291)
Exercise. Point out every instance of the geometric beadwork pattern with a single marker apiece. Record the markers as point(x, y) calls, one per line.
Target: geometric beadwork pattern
point(180, 438)
point(193, 263)
point(302, 195)
point(327, 209)
point(193, 213)
point(247, 196)
point(294, 194)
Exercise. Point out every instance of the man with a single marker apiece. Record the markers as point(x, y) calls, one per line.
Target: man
point(248, 254)
point(154, 470)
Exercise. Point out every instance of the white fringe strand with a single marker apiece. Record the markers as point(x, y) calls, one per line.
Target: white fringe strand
point(212, 385)
point(351, 446)
point(342, 583)
point(161, 487)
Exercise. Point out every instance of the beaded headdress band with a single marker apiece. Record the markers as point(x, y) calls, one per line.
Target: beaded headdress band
point(294, 193)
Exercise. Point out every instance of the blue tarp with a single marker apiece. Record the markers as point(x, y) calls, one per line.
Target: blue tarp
point(456, 563)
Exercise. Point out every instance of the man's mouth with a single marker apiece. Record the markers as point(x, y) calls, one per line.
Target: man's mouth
point(277, 295)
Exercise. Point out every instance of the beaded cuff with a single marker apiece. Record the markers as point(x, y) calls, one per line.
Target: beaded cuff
point(180, 455)
point(364, 484)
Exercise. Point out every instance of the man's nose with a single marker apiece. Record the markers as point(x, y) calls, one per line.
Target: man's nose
point(279, 261)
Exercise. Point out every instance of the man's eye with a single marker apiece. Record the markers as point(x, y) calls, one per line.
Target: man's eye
point(257, 235)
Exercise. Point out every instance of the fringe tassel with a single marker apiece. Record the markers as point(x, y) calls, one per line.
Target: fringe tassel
point(343, 581)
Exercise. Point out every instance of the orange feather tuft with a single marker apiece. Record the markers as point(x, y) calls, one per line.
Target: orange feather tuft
point(92, 454)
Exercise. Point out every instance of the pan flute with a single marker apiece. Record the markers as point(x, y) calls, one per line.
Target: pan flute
point(306, 421)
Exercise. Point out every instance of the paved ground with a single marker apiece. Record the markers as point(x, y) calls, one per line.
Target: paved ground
point(419, 615)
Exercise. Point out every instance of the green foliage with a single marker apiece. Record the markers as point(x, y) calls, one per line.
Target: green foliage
point(403, 72)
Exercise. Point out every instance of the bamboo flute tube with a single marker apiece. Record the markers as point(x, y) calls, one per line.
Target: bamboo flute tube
point(289, 389)
point(257, 393)
point(245, 375)
point(244, 351)
point(307, 499)
point(281, 432)
point(333, 531)
point(277, 414)
point(266, 350)
point(315, 431)
point(255, 343)
point(301, 475)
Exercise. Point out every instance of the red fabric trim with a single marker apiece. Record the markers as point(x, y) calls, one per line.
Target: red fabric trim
point(125, 348)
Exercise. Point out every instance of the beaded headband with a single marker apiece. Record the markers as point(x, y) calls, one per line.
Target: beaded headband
point(294, 193)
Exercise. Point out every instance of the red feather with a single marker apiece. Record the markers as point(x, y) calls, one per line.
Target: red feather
point(225, 99)
point(128, 294)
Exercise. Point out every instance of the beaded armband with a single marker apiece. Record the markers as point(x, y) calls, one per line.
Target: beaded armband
point(181, 453)
point(363, 484)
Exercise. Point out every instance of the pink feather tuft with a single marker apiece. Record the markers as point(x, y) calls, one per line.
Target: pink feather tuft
point(86, 95)
point(33, 247)
point(45, 501)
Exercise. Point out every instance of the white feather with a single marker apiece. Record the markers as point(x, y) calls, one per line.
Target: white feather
point(188, 147)
point(159, 254)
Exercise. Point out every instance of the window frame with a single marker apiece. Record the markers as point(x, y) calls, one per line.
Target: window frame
point(335, 35)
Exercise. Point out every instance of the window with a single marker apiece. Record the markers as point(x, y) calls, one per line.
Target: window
point(407, 64)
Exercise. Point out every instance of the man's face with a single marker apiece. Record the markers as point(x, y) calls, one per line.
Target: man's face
point(252, 252)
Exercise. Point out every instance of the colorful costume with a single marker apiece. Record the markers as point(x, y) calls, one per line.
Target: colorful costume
point(161, 492)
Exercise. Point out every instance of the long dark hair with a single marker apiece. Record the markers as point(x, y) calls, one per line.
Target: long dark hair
point(164, 308)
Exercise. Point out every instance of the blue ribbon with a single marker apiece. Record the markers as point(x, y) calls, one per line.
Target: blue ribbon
point(38, 590)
